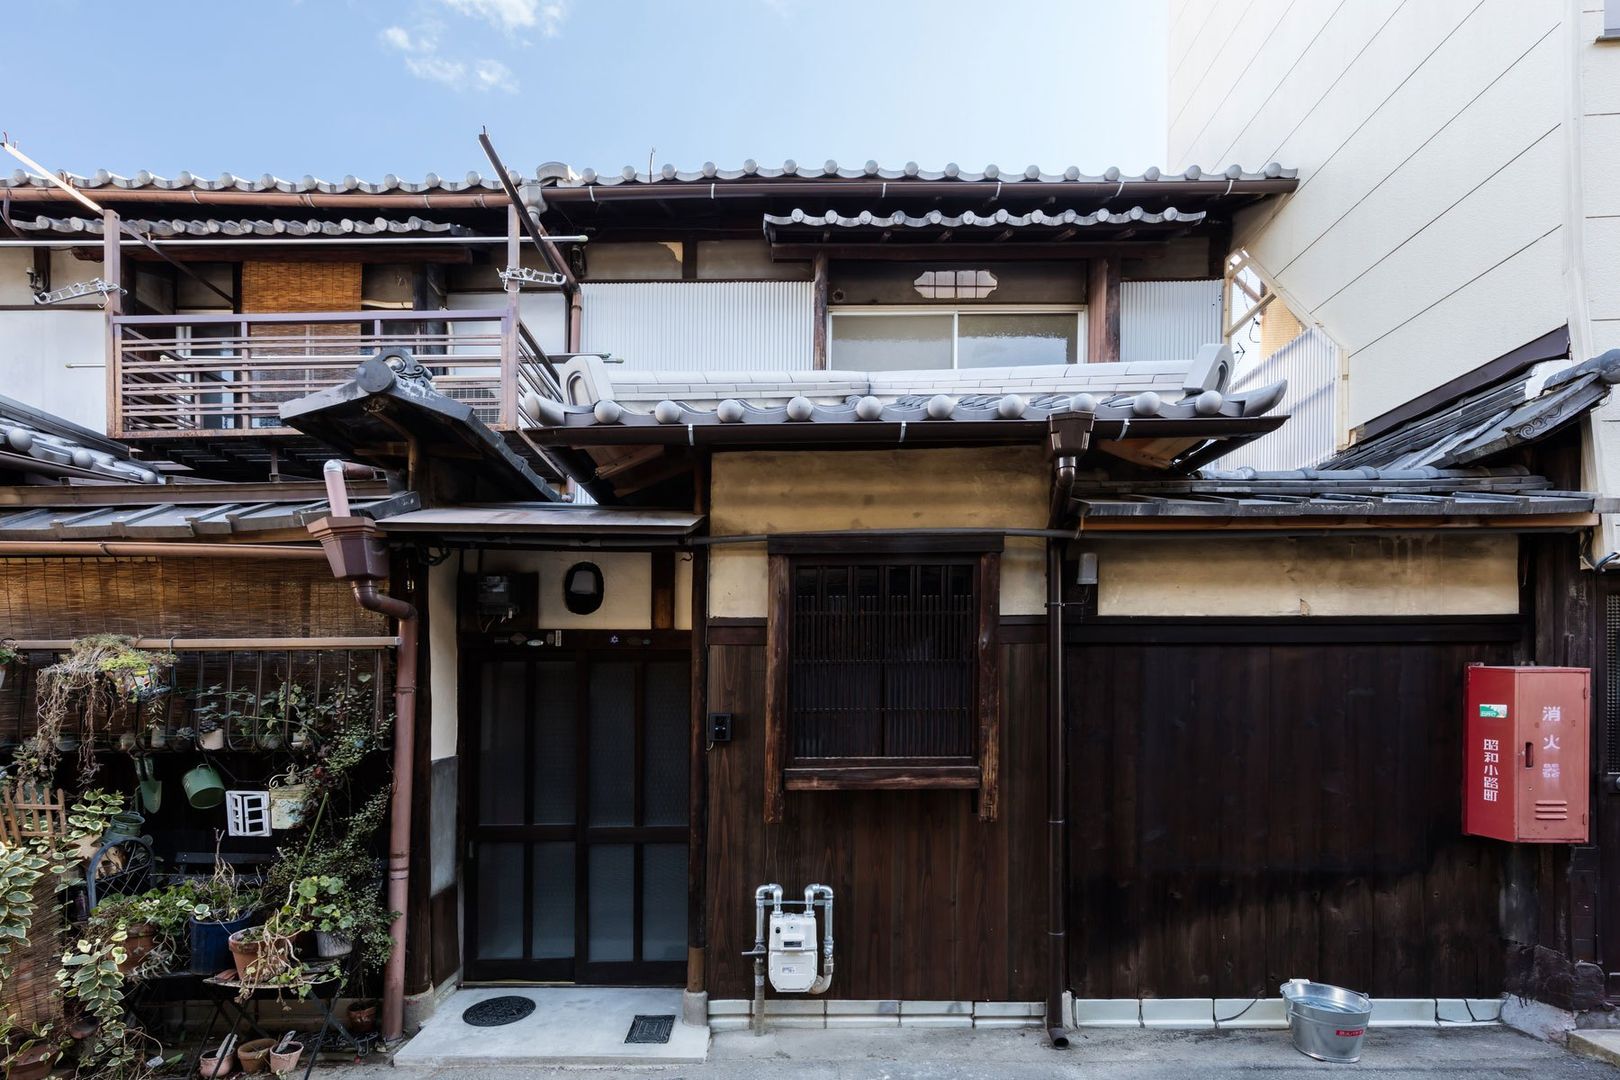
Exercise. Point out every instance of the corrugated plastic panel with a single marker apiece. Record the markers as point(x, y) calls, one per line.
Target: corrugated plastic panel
point(1167, 320)
point(701, 325)
point(1310, 363)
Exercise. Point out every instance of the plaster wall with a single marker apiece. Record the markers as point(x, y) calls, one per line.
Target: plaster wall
point(1427, 235)
point(796, 492)
point(444, 659)
point(1398, 575)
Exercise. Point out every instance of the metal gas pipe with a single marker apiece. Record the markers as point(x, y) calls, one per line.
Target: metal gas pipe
point(824, 976)
point(774, 893)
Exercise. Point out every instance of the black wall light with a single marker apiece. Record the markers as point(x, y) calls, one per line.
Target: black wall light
point(582, 588)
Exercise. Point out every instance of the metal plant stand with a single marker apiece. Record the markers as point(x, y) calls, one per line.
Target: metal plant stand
point(323, 990)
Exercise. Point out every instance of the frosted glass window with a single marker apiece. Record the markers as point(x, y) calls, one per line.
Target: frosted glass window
point(500, 744)
point(500, 901)
point(666, 757)
point(555, 696)
point(1011, 340)
point(613, 744)
point(891, 342)
point(553, 900)
point(612, 910)
point(663, 902)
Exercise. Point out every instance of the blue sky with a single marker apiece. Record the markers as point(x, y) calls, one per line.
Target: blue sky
point(368, 87)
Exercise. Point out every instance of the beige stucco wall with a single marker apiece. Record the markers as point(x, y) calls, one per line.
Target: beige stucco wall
point(444, 659)
point(1406, 574)
point(798, 492)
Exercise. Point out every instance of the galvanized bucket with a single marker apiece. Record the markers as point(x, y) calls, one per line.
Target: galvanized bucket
point(1326, 1022)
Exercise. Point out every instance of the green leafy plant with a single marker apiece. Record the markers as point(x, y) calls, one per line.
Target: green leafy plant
point(91, 973)
point(21, 868)
point(19, 1042)
point(8, 655)
point(97, 673)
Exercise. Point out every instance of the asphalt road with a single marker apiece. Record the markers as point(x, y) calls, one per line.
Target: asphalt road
point(1131, 1054)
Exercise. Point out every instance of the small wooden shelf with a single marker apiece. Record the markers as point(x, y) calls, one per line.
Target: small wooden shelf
point(880, 777)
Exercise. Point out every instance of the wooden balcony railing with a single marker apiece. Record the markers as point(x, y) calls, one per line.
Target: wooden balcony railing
point(178, 376)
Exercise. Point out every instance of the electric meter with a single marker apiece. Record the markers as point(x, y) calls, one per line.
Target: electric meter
point(792, 951)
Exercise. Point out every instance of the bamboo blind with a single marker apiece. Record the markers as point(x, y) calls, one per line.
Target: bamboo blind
point(70, 598)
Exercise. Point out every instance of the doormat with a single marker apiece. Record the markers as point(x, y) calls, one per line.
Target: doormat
point(495, 1011)
point(651, 1029)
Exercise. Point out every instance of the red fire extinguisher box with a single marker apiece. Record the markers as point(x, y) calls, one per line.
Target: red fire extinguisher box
point(1526, 773)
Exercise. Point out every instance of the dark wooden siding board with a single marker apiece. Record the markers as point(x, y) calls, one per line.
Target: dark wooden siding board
point(933, 903)
point(1329, 842)
point(1023, 817)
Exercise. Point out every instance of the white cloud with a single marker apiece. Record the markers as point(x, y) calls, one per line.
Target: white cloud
point(422, 59)
point(512, 16)
point(494, 75)
point(397, 37)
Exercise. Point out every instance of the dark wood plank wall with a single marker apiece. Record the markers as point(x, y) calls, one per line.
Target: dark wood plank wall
point(1247, 812)
point(932, 902)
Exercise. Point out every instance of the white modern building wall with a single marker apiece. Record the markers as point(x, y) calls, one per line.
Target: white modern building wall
point(53, 358)
point(1436, 225)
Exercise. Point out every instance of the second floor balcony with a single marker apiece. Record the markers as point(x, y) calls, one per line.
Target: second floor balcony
point(174, 378)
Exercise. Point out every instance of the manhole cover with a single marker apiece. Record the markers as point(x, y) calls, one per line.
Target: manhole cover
point(493, 1012)
point(650, 1029)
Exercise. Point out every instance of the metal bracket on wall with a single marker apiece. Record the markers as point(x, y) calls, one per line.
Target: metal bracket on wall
point(523, 275)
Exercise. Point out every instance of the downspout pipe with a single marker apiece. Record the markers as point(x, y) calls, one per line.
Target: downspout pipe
point(1056, 800)
point(355, 550)
point(1068, 437)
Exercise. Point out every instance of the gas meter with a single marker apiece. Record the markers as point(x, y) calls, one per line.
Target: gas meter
point(792, 957)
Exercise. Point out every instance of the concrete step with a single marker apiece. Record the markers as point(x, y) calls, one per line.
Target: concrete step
point(1600, 1043)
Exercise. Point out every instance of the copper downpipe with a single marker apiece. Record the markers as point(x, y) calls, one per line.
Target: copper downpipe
point(399, 822)
point(357, 555)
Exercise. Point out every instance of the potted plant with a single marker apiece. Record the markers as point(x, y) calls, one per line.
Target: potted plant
point(210, 733)
point(263, 955)
point(28, 1053)
point(224, 905)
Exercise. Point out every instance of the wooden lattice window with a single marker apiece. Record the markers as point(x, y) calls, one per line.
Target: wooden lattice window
point(883, 667)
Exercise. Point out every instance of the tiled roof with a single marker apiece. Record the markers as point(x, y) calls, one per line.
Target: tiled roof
point(215, 227)
point(1001, 219)
point(558, 174)
point(1214, 496)
point(1172, 390)
point(209, 517)
point(35, 443)
point(1521, 409)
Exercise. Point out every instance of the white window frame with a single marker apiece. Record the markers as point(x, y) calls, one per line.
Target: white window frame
point(956, 311)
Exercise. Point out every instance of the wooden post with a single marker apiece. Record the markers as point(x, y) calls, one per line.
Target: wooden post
point(818, 311)
point(776, 664)
point(1102, 310)
point(698, 806)
point(989, 680)
point(112, 270)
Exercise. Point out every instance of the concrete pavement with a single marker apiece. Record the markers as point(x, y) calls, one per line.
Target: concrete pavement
point(1022, 1054)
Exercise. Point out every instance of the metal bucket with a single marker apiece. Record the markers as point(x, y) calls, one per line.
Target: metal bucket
point(1327, 1022)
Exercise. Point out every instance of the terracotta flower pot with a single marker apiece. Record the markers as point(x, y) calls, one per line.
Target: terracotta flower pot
point(35, 1063)
point(254, 1056)
point(362, 1017)
point(287, 1060)
point(212, 1066)
point(138, 946)
point(251, 964)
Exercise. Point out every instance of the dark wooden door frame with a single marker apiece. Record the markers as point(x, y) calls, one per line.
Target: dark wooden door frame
point(633, 646)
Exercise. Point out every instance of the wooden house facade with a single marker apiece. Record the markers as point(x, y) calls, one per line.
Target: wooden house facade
point(946, 605)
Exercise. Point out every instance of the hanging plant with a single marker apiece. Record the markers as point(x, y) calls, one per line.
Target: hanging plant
point(98, 673)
